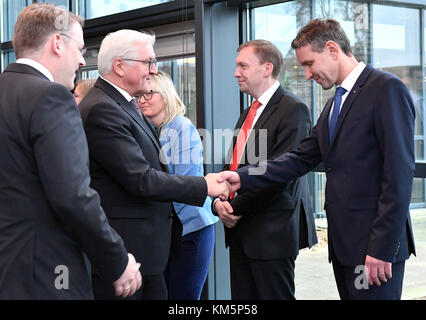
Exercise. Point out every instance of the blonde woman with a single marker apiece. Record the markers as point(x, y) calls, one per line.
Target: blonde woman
point(81, 88)
point(182, 149)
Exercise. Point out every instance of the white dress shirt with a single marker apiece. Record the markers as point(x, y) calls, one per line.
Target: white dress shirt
point(38, 66)
point(348, 84)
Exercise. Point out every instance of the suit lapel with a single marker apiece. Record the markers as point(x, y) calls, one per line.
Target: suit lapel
point(355, 91)
point(129, 109)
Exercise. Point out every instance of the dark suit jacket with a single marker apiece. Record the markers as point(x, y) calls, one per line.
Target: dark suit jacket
point(48, 213)
point(136, 190)
point(369, 167)
point(277, 221)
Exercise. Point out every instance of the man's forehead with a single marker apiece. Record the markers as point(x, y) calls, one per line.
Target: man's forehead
point(76, 31)
point(145, 49)
point(246, 53)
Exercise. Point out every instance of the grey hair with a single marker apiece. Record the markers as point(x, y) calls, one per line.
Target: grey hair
point(120, 44)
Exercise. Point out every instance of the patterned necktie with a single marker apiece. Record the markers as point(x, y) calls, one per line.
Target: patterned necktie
point(336, 110)
point(136, 106)
point(242, 137)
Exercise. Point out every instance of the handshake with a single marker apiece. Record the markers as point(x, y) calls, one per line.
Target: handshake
point(222, 184)
point(218, 185)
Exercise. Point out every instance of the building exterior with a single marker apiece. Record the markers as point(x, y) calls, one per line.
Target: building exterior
point(197, 41)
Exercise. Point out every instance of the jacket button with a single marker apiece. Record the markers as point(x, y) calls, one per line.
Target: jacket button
point(329, 169)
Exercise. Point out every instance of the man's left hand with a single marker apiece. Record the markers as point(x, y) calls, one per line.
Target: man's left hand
point(377, 271)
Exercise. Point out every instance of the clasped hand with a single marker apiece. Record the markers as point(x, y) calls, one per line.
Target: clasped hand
point(222, 184)
point(131, 279)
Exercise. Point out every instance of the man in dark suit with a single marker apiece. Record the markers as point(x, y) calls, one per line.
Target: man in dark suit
point(125, 162)
point(369, 163)
point(49, 215)
point(266, 228)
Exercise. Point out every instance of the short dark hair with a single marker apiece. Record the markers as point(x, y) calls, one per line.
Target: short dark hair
point(318, 31)
point(38, 21)
point(266, 51)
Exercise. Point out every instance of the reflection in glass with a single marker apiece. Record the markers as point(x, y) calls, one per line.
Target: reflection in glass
point(353, 17)
point(62, 3)
point(10, 12)
point(279, 24)
point(7, 57)
point(182, 72)
point(90, 9)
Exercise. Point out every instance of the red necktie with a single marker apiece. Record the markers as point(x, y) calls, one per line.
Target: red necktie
point(242, 138)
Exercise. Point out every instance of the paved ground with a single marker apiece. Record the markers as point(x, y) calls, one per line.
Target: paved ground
point(314, 275)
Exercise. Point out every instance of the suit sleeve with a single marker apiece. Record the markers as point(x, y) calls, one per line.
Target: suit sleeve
point(282, 170)
point(60, 151)
point(394, 123)
point(294, 125)
point(113, 145)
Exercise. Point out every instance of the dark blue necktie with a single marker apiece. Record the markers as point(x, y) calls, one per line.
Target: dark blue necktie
point(336, 109)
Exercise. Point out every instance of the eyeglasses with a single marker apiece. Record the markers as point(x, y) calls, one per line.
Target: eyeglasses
point(150, 62)
point(82, 50)
point(147, 95)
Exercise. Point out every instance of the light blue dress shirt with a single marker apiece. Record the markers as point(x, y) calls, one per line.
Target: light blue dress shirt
point(183, 150)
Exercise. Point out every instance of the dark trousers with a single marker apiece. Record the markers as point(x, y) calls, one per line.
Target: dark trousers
point(185, 276)
point(353, 285)
point(253, 279)
point(153, 288)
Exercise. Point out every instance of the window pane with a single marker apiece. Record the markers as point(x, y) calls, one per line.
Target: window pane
point(182, 72)
point(279, 24)
point(10, 12)
point(395, 41)
point(62, 3)
point(396, 49)
point(7, 57)
point(90, 9)
point(353, 17)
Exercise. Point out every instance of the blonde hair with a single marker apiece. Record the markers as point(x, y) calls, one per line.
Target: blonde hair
point(84, 86)
point(36, 23)
point(173, 104)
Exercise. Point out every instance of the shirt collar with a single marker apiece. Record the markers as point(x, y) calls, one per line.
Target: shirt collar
point(38, 66)
point(351, 79)
point(267, 95)
point(124, 93)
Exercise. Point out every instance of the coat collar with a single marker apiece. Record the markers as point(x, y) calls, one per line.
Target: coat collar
point(353, 94)
point(24, 68)
point(128, 108)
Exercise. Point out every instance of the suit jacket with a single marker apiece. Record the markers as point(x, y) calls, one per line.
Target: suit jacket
point(277, 221)
point(48, 213)
point(369, 167)
point(136, 190)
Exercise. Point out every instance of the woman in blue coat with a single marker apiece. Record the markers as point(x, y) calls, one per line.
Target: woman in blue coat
point(183, 152)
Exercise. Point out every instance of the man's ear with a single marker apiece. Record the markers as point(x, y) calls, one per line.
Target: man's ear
point(56, 44)
point(268, 70)
point(332, 48)
point(118, 66)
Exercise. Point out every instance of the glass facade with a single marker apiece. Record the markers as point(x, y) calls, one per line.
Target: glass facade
point(9, 13)
point(90, 9)
point(392, 45)
point(395, 45)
